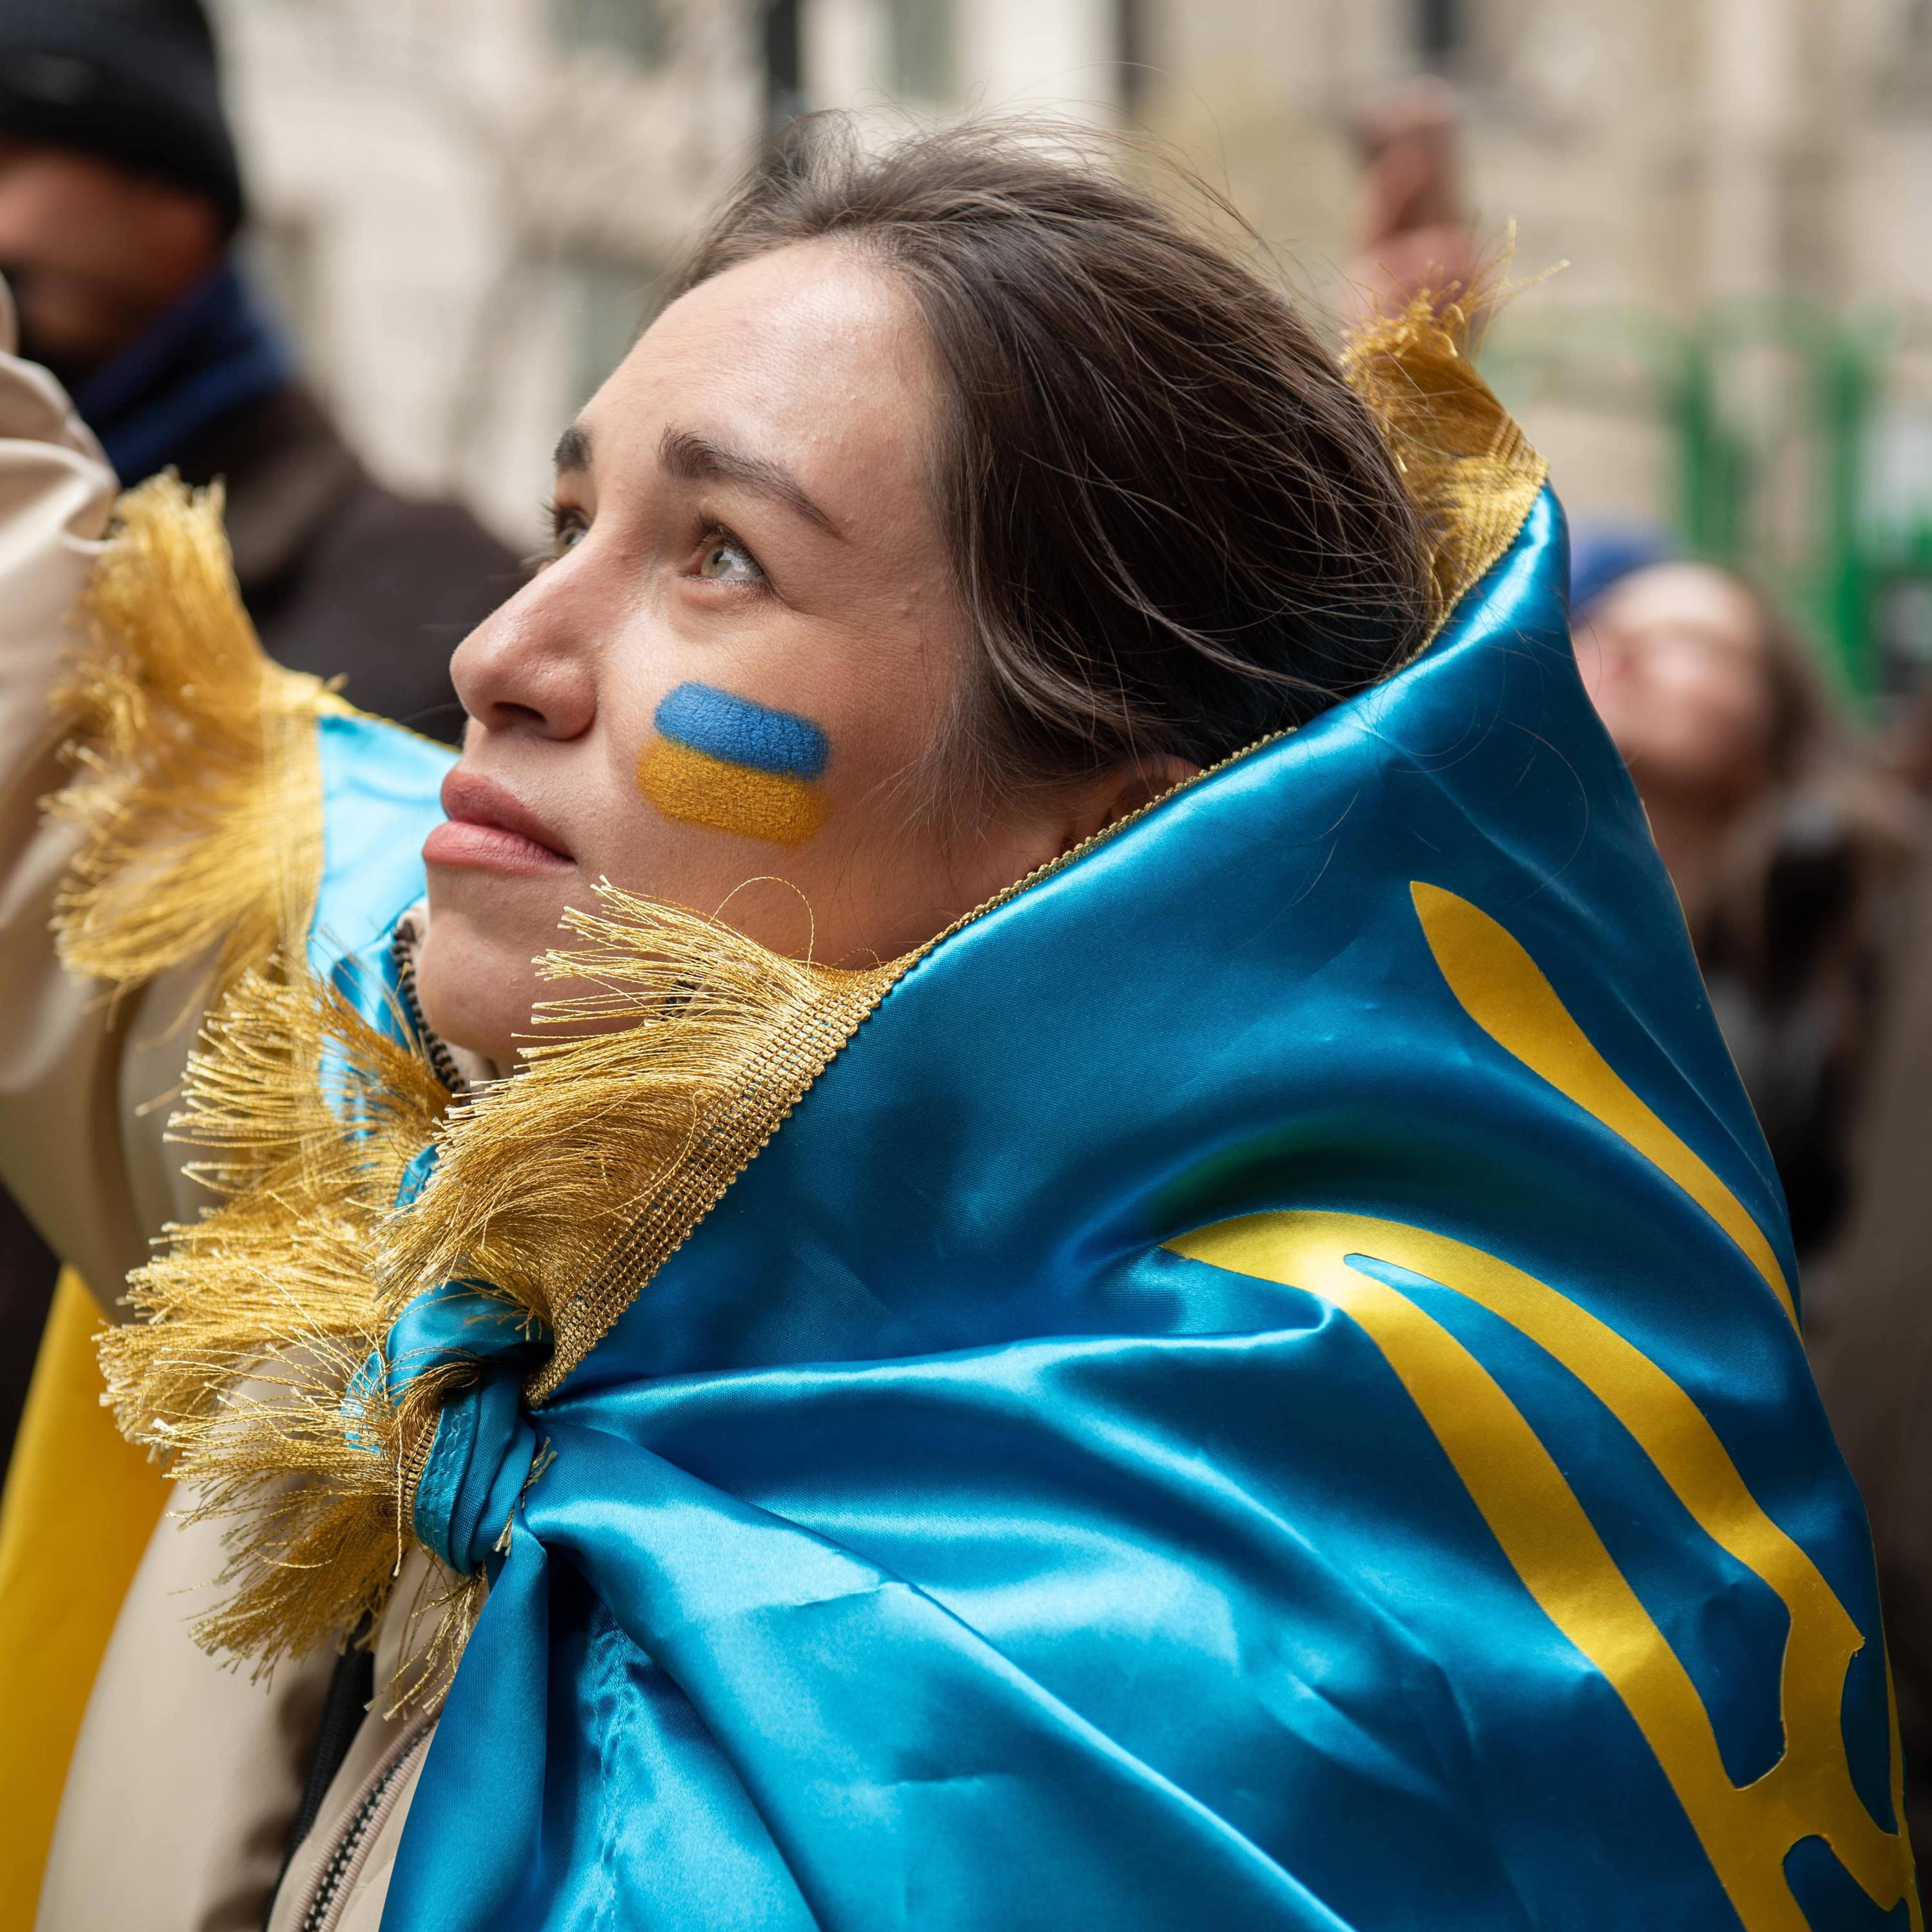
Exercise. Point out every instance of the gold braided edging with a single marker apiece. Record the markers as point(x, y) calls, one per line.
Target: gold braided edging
point(803, 1046)
point(604, 1150)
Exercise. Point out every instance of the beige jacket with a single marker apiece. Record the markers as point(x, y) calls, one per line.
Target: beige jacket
point(186, 1774)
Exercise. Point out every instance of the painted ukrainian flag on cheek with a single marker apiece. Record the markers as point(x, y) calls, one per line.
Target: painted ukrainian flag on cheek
point(724, 761)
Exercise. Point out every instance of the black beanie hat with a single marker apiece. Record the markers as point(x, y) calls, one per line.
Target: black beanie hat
point(136, 81)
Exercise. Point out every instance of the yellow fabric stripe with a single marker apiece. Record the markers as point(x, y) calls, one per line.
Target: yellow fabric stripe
point(703, 790)
point(77, 1512)
point(1515, 1481)
point(1504, 991)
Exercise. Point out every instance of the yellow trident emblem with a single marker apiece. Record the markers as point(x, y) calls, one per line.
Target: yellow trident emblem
point(1745, 1830)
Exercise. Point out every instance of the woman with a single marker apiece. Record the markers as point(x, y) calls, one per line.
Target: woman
point(1786, 856)
point(1003, 1379)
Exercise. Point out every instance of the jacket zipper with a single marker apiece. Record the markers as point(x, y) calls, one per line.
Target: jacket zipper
point(368, 1818)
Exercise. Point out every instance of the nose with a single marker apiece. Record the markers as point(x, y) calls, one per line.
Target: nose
point(528, 668)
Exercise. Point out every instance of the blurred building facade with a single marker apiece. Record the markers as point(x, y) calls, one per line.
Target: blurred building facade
point(459, 205)
point(1740, 344)
point(463, 204)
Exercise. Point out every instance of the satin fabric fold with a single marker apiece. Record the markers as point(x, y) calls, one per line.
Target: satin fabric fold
point(874, 1790)
point(933, 1543)
point(381, 789)
point(484, 1448)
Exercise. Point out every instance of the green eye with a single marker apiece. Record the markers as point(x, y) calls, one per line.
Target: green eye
point(567, 530)
point(725, 560)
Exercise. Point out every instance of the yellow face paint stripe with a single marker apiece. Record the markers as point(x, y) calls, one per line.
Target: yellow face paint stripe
point(1551, 1543)
point(1504, 991)
point(700, 790)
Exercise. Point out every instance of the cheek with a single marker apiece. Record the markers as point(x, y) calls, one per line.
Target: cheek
point(475, 914)
point(1717, 713)
point(725, 762)
point(474, 974)
point(1621, 695)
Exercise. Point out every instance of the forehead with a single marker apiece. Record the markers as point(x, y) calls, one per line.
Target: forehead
point(1682, 595)
point(811, 347)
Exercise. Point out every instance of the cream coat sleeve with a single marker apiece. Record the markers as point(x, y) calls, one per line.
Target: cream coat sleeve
point(82, 1079)
point(186, 1773)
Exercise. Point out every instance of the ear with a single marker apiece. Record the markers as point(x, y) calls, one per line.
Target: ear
point(1118, 794)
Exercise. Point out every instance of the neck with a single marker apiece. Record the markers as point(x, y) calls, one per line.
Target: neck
point(212, 350)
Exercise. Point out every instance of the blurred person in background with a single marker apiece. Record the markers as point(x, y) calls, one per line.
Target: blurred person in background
point(1786, 853)
point(120, 201)
point(1871, 1342)
point(1413, 224)
point(121, 198)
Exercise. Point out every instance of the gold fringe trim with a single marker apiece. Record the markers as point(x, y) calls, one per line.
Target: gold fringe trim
point(258, 1317)
point(199, 789)
point(1470, 470)
point(567, 1185)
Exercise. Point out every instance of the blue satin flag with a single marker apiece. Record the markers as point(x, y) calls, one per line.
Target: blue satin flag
point(1261, 1390)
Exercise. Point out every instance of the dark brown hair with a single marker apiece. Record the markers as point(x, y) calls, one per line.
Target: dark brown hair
point(1175, 529)
point(1823, 842)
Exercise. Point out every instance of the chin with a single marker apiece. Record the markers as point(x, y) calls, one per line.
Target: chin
point(476, 981)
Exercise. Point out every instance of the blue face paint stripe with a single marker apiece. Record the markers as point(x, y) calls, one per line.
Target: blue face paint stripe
point(732, 728)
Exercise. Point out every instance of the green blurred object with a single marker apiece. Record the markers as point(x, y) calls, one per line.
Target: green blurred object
point(925, 57)
point(633, 28)
point(1774, 408)
point(1714, 464)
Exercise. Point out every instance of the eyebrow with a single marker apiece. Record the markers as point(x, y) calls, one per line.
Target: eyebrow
point(573, 449)
point(696, 459)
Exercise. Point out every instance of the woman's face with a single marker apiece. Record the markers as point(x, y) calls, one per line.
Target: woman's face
point(720, 690)
point(1675, 657)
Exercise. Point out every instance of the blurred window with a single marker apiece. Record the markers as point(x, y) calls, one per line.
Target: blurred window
point(608, 298)
point(1131, 39)
point(922, 49)
point(785, 63)
point(632, 28)
point(1441, 28)
point(280, 254)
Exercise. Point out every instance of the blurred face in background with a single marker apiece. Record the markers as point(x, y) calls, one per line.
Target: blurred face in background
point(1676, 659)
point(94, 253)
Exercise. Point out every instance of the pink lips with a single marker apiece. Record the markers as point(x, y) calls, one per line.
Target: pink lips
point(490, 830)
